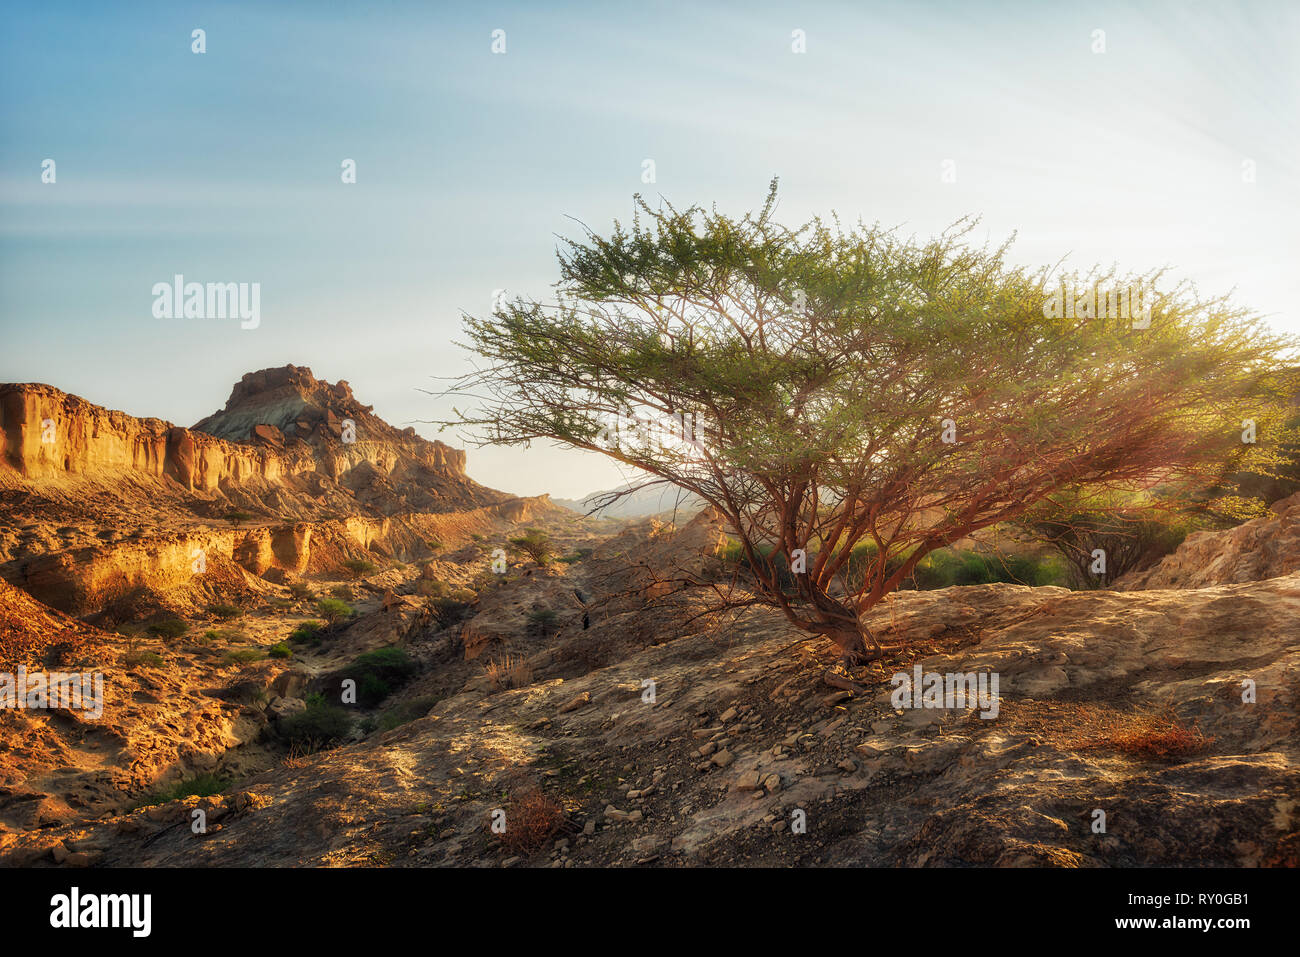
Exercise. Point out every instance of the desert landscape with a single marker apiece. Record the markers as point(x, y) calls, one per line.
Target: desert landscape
point(514, 660)
point(575, 472)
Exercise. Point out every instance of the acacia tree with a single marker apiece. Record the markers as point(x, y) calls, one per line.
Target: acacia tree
point(823, 387)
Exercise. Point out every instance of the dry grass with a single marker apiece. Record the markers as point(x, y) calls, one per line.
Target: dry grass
point(1148, 734)
point(532, 819)
point(1152, 733)
point(512, 671)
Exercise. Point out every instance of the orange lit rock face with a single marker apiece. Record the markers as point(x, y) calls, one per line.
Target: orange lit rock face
point(278, 423)
point(291, 475)
point(47, 433)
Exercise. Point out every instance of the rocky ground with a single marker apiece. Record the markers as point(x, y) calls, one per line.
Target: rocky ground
point(1124, 703)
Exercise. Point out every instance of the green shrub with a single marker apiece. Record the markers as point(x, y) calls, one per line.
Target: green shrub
point(201, 785)
point(534, 543)
point(541, 620)
point(243, 656)
point(343, 592)
point(307, 633)
point(334, 610)
point(301, 592)
point(359, 567)
point(945, 567)
point(319, 725)
point(235, 517)
point(224, 612)
point(169, 628)
point(378, 673)
point(279, 650)
point(135, 659)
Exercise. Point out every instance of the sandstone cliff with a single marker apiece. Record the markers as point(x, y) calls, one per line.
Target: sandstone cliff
point(1263, 548)
point(105, 510)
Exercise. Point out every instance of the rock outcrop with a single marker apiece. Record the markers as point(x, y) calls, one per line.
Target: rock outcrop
point(294, 475)
point(1263, 548)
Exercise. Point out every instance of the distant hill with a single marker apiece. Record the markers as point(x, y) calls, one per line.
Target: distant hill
point(649, 501)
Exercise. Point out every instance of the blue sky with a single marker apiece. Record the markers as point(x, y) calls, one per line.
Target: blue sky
point(225, 166)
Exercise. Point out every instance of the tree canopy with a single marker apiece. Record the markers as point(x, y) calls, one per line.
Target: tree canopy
point(825, 386)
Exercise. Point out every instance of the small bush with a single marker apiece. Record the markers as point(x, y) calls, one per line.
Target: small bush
point(224, 612)
point(307, 633)
point(379, 673)
point(169, 628)
point(334, 610)
point(359, 566)
point(300, 592)
point(243, 656)
point(541, 620)
point(513, 671)
point(534, 543)
point(279, 650)
point(201, 785)
point(235, 517)
point(343, 592)
point(136, 659)
point(1155, 734)
point(318, 726)
point(532, 819)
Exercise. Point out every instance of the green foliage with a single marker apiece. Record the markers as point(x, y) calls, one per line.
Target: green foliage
point(300, 591)
point(378, 673)
point(359, 566)
point(148, 659)
point(946, 567)
point(406, 712)
point(344, 592)
point(224, 612)
point(280, 650)
point(243, 656)
point(169, 628)
point(1126, 533)
point(845, 385)
point(201, 785)
point(534, 543)
point(318, 726)
point(333, 610)
point(542, 620)
point(307, 633)
point(236, 517)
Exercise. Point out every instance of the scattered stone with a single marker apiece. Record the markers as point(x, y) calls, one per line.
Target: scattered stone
point(581, 701)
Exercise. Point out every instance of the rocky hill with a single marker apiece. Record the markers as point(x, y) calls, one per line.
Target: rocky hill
point(105, 512)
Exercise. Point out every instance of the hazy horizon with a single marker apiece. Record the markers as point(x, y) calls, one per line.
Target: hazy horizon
point(225, 167)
